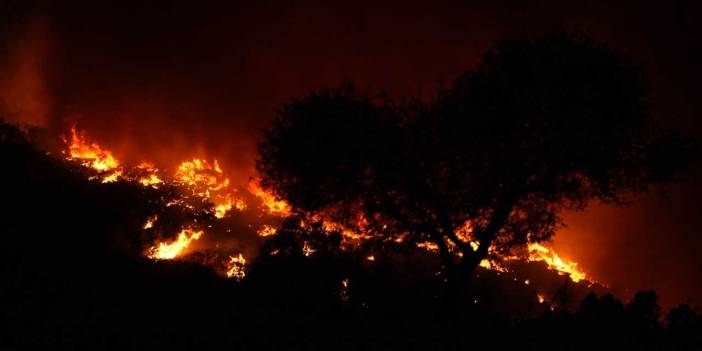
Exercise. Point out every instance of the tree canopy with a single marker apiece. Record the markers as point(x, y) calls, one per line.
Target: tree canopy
point(542, 124)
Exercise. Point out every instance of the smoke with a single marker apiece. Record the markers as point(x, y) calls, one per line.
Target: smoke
point(24, 96)
point(171, 81)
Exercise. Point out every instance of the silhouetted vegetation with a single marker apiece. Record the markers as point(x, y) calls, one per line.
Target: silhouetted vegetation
point(542, 125)
point(74, 277)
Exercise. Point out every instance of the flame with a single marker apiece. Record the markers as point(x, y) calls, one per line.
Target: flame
point(208, 181)
point(201, 176)
point(150, 178)
point(270, 203)
point(492, 265)
point(150, 222)
point(94, 156)
point(235, 267)
point(112, 177)
point(346, 233)
point(541, 298)
point(222, 209)
point(169, 251)
point(429, 246)
point(226, 205)
point(307, 249)
point(539, 252)
point(146, 165)
point(90, 154)
point(267, 230)
point(345, 292)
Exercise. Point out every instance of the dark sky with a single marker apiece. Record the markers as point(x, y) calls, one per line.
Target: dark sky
point(156, 79)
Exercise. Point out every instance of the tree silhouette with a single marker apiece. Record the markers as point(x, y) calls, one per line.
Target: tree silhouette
point(541, 125)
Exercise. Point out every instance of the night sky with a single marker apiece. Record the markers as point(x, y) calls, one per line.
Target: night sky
point(165, 81)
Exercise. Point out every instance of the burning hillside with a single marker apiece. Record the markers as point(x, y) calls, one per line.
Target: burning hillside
point(351, 175)
point(76, 248)
point(203, 188)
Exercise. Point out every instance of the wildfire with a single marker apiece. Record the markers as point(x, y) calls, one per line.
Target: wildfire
point(112, 177)
point(222, 209)
point(208, 181)
point(198, 176)
point(541, 298)
point(150, 222)
point(307, 249)
point(345, 291)
point(169, 251)
point(235, 267)
point(226, 205)
point(201, 176)
point(539, 252)
point(346, 233)
point(272, 205)
point(429, 246)
point(90, 154)
point(150, 178)
point(267, 230)
point(492, 265)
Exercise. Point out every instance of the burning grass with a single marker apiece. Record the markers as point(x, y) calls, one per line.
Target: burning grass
point(205, 181)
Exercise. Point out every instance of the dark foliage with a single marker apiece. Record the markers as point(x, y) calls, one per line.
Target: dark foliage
point(541, 125)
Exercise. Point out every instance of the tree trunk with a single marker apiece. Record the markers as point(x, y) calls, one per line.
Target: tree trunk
point(458, 281)
point(459, 275)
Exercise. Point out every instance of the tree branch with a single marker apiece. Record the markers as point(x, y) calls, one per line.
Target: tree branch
point(488, 235)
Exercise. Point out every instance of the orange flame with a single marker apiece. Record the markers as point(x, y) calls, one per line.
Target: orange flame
point(271, 204)
point(307, 249)
point(150, 178)
point(150, 222)
point(267, 230)
point(91, 154)
point(201, 177)
point(222, 209)
point(235, 267)
point(112, 177)
point(209, 182)
point(169, 251)
point(539, 252)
